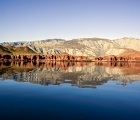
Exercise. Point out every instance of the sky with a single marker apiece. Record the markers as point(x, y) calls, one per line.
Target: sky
point(28, 20)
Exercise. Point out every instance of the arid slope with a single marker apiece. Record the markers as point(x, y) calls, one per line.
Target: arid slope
point(82, 46)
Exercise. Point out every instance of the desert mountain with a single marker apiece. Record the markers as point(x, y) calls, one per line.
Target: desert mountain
point(82, 46)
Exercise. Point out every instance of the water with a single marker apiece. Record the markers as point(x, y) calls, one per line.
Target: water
point(69, 91)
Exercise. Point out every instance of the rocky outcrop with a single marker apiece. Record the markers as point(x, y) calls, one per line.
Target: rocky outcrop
point(37, 57)
point(125, 56)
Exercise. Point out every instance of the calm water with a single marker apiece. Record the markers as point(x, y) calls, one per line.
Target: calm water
point(69, 91)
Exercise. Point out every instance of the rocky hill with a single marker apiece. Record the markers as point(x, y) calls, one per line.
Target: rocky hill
point(16, 50)
point(130, 43)
point(4, 50)
point(82, 46)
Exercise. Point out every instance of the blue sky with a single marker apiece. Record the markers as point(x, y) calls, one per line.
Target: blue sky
point(27, 20)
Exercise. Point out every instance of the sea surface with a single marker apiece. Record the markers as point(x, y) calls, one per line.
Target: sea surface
point(69, 91)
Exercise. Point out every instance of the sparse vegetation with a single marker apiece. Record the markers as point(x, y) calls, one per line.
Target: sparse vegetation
point(4, 50)
point(16, 50)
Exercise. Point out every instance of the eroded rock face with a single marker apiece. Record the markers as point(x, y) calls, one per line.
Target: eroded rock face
point(81, 46)
point(126, 56)
point(60, 57)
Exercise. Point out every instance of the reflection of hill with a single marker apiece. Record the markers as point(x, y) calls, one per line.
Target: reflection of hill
point(75, 73)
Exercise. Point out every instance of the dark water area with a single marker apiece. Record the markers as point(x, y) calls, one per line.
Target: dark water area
point(69, 91)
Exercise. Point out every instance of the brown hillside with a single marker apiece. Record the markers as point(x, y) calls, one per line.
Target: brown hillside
point(132, 53)
point(4, 50)
point(20, 50)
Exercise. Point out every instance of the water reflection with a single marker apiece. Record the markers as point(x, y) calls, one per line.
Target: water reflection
point(81, 74)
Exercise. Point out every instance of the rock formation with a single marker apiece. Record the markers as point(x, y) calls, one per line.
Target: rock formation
point(10, 53)
point(125, 56)
point(37, 57)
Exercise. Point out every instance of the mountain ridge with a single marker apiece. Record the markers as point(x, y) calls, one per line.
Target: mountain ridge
point(81, 46)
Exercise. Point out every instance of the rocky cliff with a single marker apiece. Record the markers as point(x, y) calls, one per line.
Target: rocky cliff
point(82, 46)
point(130, 55)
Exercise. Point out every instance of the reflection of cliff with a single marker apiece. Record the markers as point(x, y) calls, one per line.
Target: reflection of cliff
point(79, 74)
point(48, 64)
point(125, 67)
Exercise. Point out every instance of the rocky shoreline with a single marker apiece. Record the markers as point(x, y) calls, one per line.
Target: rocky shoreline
point(125, 56)
point(42, 57)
